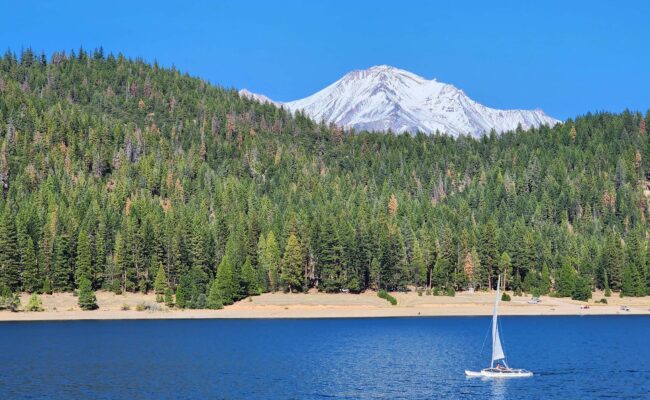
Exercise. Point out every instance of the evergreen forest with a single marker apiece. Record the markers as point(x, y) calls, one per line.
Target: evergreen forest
point(121, 175)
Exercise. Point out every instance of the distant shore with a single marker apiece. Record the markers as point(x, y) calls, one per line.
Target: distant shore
point(63, 307)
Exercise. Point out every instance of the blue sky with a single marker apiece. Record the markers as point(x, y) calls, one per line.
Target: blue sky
point(565, 57)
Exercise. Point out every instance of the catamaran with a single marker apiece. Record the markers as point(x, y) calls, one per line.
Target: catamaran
point(498, 367)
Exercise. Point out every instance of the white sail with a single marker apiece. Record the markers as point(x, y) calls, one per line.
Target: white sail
point(497, 350)
point(502, 370)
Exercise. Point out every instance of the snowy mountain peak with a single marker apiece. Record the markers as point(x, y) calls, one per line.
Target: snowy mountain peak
point(388, 98)
point(384, 71)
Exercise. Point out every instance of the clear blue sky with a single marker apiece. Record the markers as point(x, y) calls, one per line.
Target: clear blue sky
point(566, 57)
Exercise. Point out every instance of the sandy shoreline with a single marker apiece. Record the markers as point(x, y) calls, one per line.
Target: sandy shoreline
point(63, 307)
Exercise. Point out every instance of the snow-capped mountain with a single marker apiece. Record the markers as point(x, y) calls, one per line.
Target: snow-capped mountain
point(384, 97)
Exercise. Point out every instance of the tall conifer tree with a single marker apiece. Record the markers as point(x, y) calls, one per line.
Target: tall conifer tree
point(10, 263)
point(292, 265)
point(32, 280)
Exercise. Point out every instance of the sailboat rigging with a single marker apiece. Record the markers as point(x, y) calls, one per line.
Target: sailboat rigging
point(498, 366)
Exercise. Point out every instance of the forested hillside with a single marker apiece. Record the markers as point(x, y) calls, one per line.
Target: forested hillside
point(138, 178)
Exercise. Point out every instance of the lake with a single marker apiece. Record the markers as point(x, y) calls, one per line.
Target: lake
point(386, 358)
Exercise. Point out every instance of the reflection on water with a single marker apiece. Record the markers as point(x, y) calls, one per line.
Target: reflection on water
point(499, 387)
point(387, 358)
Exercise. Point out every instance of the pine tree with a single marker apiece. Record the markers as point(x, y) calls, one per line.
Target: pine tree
point(183, 292)
point(121, 260)
point(633, 284)
point(375, 274)
point(613, 260)
point(176, 263)
point(253, 237)
point(439, 275)
point(87, 299)
point(262, 267)
point(292, 264)
point(46, 251)
point(47, 286)
point(100, 253)
point(635, 250)
point(272, 261)
point(505, 268)
point(481, 274)
point(607, 290)
point(250, 284)
point(443, 267)
point(545, 281)
point(488, 251)
point(10, 263)
point(582, 289)
point(201, 301)
point(227, 284)
point(147, 279)
point(169, 297)
point(362, 250)
point(566, 281)
point(62, 274)
point(639, 283)
point(83, 265)
point(627, 286)
point(528, 258)
point(135, 273)
point(394, 264)
point(236, 248)
point(161, 285)
point(32, 281)
point(214, 296)
point(190, 286)
point(199, 253)
point(200, 279)
point(418, 265)
point(330, 259)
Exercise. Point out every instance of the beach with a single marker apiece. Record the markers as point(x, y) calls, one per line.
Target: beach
point(63, 306)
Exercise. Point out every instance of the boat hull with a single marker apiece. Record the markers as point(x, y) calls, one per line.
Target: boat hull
point(494, 373)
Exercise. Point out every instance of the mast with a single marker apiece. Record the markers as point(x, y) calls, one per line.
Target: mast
point(497, 350)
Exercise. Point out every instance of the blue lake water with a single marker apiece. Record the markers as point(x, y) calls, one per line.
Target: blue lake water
point(386, 358)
